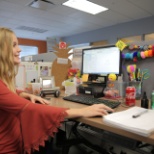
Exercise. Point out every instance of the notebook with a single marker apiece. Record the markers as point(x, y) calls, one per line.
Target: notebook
point(136, 119)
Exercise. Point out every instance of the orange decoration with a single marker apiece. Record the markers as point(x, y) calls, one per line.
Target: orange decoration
point(150, 53)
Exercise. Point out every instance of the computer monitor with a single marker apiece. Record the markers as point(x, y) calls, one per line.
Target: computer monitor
point(101, 61)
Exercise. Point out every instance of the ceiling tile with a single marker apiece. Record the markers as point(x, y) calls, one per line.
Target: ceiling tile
point(63, 21)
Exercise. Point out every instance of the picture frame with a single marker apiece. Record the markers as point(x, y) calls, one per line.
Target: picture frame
point(47, 82)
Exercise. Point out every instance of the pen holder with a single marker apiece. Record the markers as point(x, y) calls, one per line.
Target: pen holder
point(138, 87)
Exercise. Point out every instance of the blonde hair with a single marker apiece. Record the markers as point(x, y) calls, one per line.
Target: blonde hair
point(7, 68)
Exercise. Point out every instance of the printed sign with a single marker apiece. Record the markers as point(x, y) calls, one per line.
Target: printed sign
point(62, 45)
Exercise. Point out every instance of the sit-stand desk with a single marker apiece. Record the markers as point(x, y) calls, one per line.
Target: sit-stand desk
point(97, 122)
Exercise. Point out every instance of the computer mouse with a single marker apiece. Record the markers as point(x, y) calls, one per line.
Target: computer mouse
point(109, 112)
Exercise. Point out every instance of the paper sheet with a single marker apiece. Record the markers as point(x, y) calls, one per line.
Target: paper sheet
point(143, 125)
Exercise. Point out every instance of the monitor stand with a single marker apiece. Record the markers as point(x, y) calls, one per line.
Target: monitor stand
point(94, 79)
point(94, 86)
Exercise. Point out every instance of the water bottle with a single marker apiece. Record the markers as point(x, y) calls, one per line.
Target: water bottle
point(152, 100)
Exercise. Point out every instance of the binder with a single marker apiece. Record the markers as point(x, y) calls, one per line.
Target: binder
point(136, 120)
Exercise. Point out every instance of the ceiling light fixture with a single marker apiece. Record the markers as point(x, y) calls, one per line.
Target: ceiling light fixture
point(86, 6)
point(41, 4)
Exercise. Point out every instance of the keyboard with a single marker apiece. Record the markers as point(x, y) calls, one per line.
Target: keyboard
point(87, 100)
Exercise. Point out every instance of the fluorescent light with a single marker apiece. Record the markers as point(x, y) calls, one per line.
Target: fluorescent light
point(86, 6)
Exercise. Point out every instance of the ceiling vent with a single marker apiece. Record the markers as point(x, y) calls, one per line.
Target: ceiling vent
point(32, 29)
point(41, 4)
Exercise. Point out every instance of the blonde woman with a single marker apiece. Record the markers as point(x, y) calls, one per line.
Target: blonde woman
point(25, 125)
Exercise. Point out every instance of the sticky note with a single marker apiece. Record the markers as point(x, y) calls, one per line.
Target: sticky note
point(121, 45)
point(85, 77)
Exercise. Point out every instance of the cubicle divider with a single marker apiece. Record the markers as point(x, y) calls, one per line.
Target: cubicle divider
point(31, 72)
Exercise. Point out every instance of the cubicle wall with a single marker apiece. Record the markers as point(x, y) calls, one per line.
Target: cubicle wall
point(31, 71)
point(45, 57)
point(147, 86)
point(147, 63)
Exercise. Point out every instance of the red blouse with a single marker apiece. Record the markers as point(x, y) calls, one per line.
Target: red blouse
point(24, 125)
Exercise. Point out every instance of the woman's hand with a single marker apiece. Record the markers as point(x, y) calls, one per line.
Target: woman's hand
point(90, 111)
point(34, 98)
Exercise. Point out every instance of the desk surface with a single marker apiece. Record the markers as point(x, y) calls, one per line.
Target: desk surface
point(98, 121)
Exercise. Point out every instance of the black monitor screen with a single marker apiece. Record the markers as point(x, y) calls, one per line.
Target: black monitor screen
point(101, 60)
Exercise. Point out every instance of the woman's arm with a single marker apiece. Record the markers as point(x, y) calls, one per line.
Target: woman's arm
point(90, 111)
point(33, 98)
point(13, 103)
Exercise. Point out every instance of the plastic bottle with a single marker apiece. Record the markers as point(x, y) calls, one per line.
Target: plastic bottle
point(145, 101)
point(152, 100)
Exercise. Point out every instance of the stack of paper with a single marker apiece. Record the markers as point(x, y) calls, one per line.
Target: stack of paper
point(136, 119)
